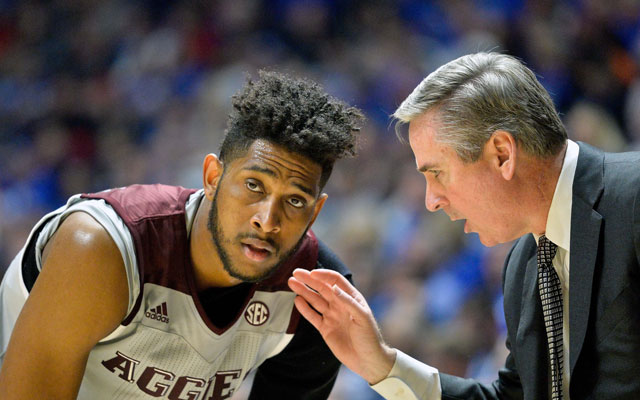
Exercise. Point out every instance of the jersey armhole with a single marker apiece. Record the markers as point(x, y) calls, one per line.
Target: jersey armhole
point(30, 269)
point(329, 260)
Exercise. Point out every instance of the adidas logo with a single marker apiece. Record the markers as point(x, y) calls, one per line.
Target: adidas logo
point(159, 313)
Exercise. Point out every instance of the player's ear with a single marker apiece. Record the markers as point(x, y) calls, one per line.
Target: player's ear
point(212, 169)
point(502, 151)
point(319, 203)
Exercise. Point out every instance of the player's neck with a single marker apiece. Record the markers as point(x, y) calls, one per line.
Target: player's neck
point(207, 265)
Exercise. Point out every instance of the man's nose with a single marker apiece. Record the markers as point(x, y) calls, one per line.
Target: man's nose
point(434, 200)
point(267, 217)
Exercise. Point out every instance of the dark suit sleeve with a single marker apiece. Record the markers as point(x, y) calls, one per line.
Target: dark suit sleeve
point(306, 369)
point(636, 224)
point(507, 386)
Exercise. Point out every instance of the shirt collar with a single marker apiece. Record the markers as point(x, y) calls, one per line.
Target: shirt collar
point(558, 229)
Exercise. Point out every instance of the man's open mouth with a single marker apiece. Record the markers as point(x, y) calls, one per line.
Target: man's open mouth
point(256, 249)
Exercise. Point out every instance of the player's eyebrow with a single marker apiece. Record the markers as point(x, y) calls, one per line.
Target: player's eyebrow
point(264, 170)
point(272, 173)
point(304, 189)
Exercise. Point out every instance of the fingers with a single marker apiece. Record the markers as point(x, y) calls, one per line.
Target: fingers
point(331, 287)
point(357, 310)
point(309, 313)
point(312, 297)
point(334, 278)
point(303, 276)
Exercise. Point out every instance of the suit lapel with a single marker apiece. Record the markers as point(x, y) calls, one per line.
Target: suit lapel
point(585, 236)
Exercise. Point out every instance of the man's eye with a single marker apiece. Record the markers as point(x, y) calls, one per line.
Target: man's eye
point(434, 172)
point(254, 187)
point(296, 202)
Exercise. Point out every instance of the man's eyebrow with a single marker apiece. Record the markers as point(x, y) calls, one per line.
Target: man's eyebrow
point(304, 189)
point(425, 167)
point(272, 173)
point(264, 170)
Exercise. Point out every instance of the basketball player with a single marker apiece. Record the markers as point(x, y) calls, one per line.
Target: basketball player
point(153, 291)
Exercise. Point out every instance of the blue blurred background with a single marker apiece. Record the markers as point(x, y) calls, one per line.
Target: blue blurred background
point(102, 93)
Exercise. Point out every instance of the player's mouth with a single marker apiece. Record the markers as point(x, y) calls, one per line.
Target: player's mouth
point(256, 249)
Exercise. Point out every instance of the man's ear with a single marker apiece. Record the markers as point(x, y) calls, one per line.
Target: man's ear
point(319, 203)
point(502, 152)
point(212, 169)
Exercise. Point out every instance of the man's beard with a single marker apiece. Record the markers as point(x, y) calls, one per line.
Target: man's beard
point(218, 239)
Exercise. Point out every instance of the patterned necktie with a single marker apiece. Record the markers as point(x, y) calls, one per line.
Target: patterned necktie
point(551, 296)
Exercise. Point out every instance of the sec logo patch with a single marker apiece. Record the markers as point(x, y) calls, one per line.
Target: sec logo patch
point(257, 313)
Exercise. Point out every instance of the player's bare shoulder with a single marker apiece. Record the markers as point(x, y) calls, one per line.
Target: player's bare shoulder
point(79, 297)
point(83, 253)
point(79, 232)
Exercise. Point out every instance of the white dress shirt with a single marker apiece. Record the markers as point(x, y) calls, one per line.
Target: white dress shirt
point(410, 379)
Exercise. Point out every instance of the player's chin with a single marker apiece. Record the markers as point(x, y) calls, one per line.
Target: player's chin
point(256, 273)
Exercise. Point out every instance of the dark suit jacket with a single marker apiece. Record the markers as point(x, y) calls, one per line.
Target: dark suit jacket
point(604, 299)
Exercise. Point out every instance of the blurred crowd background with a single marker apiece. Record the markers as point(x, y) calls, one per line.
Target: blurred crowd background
point(103, 93)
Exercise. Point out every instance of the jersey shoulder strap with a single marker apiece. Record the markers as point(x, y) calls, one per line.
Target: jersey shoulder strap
point(155, 216)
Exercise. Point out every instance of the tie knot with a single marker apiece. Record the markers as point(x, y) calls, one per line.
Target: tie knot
point(546, 251)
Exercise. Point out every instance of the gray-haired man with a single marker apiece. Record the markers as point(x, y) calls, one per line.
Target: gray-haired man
point(488, 140)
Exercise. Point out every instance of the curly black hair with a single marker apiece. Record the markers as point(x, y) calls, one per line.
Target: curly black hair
point(293, 113)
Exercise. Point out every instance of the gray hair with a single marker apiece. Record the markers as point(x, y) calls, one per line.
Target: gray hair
point(477, 94)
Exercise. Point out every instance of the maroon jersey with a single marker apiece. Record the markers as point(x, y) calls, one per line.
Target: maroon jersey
point(169, 346)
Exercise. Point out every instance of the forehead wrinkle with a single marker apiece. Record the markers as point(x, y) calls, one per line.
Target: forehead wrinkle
point(293, 167)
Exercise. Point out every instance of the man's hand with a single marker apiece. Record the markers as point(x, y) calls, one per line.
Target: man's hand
point(342, 316)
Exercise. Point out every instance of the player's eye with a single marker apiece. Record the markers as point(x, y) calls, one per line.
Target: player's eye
point(296, 202)
point(253, 186)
